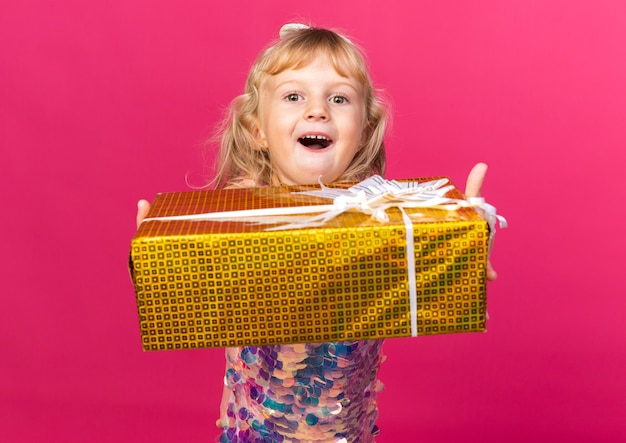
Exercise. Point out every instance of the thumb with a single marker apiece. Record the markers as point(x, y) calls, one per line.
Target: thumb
point(475, 180)
point(143, 206)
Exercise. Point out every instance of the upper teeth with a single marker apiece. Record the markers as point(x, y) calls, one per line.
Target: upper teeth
point(318, 137)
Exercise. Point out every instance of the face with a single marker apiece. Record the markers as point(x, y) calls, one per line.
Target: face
point(311, 120)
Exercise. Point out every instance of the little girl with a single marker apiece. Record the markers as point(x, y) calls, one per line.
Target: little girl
point(309, 113)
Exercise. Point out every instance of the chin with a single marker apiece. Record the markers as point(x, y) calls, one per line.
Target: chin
point(309, 180)
point(315, 178)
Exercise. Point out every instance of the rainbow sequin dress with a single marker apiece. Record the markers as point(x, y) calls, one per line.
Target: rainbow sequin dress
point(296, 393)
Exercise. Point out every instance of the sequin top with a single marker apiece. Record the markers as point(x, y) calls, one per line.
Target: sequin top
point(322, 392)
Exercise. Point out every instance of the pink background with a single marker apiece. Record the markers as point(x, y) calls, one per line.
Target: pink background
point(102, 103)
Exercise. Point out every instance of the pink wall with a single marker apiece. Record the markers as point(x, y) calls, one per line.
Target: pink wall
point(102, 103)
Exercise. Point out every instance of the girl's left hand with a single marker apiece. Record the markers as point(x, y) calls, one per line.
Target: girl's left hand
point(473, 188)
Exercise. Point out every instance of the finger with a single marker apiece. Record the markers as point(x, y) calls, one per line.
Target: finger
point(475, 180)
point(491, 273)
point(143, 206)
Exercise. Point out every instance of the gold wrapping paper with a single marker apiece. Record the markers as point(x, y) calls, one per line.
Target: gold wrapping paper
point(234, 283)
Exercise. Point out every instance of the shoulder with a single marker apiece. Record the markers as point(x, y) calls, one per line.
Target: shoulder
point(243, 182)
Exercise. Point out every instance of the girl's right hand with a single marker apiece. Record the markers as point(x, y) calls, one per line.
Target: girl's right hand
point(143, 206)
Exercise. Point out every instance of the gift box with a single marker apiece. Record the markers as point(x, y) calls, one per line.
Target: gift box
point(300, 264)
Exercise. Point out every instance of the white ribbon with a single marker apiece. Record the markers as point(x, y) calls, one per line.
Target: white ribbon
point(371, 196)
point(410, 265)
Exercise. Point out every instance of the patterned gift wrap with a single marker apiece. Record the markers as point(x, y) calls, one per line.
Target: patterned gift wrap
point(234, 282)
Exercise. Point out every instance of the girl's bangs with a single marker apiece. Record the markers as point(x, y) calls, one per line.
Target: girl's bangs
point(346, 61)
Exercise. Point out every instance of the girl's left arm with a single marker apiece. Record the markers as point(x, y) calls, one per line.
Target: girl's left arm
point(473, 188)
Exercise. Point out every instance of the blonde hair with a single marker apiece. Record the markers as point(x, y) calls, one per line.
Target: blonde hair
point(241, 159)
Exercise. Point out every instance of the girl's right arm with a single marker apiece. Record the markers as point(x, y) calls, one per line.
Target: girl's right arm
point(143, 206)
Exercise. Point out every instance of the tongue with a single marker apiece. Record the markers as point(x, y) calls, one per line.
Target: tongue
point(315, 146)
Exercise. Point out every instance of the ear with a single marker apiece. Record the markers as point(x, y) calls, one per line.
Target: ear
point(259, 135)
point(366, 133)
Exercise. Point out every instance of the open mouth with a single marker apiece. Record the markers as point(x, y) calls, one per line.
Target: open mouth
point(315, 141)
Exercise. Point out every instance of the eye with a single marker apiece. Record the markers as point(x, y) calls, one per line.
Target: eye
point(293, 97)
point(338, 99)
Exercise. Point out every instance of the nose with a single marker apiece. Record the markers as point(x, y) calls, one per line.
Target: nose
point(316, 110)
